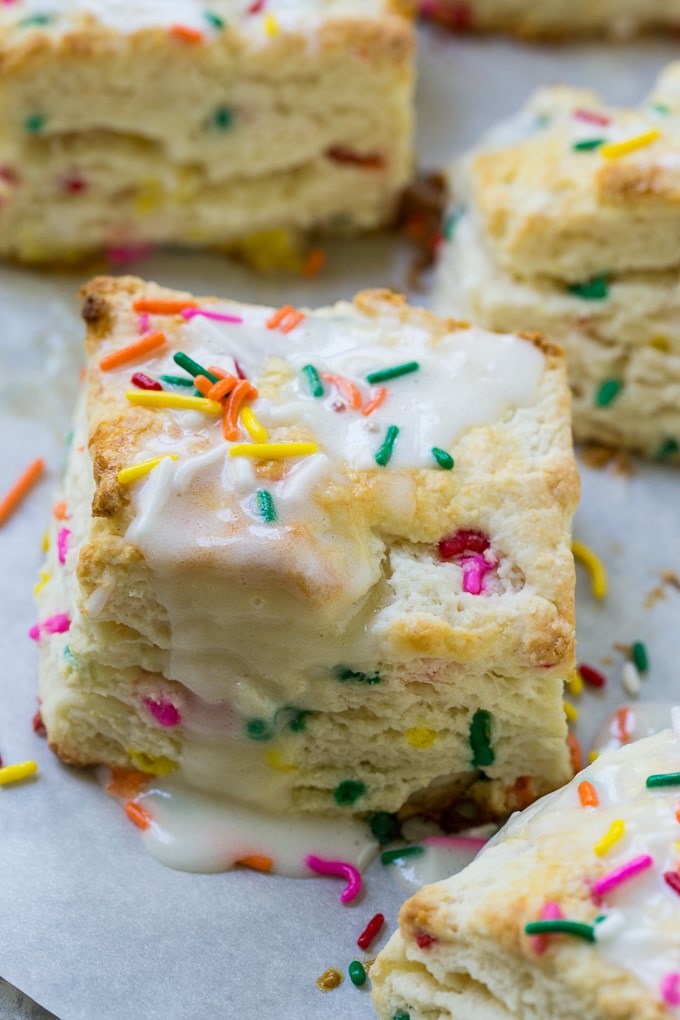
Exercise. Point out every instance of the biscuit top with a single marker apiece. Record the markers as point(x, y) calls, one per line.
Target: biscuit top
point(572, 188)
point(127, 16)
point(608, 845)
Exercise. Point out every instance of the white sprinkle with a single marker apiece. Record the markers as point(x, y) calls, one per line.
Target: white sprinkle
point(610, 926)
point(630, 678)
point(675, 719)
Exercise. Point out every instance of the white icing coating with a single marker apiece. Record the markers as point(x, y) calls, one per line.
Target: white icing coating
point(632, 722)
point(440, 859)
point(647, 943)
point(131, 15)
point(195, 832)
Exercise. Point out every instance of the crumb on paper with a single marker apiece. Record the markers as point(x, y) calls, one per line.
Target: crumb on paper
point(668, 580)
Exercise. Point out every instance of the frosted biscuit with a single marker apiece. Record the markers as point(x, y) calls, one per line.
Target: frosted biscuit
point(572, 910)
point(221, 125)
point(539, 19)
point(343, 583)
point(573, 189)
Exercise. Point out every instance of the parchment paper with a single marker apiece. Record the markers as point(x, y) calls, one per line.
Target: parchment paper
point(90, 926)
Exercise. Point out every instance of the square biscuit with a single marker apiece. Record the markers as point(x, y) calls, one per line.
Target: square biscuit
point(355, 594)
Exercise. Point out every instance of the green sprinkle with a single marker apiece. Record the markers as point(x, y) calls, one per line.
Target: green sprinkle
point(451, 222)
point(390, 856)
point(299, 721)
point(214, 20)
point(192, 367)
point(608, 392)
point(68, 654)
point(668, 448)
point(444, 459)
point(480, 739)
point(313, 380)
point(259, 729)
point(34, 123)
point(587, 144)
point(401, 1016)
point(561, 927)
point(663, 779)
point(69, 438)
point(640, 657)
point(661, 108)
point(593, 290)
point(222, 118)
point(348, 792)
point(384, 454)
point(392, 373)
point(344, 673)
point(265, 506)
point(35, 19)
point(357, 973)
point(176, 380)
point(384, 826)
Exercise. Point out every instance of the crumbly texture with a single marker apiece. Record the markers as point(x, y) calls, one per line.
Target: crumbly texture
point(332, 659)
point(631, 336)
point(549, 207)
point(553, 19)
point(216, 131)
point(462, 951)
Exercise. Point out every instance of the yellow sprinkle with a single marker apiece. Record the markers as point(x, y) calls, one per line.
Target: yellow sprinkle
point(421, 737)
point(152, 398)
point(13, 773)
point(271, 25)
point(575, 684)
point(275, 761)
point(156, 765)
point(598, 575)
point(131, 474)
point(660, 343)
point(272, 451)
point(570, 712)
point(593, 756)
point(612, 150)
point(616, 832)
point(253, 427)
point(677, 845)
point(148, 198)
point(44, 578)
point(45, 541)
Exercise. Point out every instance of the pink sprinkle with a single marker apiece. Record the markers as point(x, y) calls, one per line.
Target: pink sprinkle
point(591, 117)
point(549, 912)
point(75, 184)
point(123, 254)
point(474, 569)
point(191, 313)
point(164, 712)
point(57, 624)
point(670, 988)
point(622, 874)
point(342, 870)
point(144, 323)
point(424, 940)
point(62, 544)
point(464, 842)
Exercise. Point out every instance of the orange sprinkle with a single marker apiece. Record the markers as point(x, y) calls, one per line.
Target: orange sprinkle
point(156, 306)
point(588, 794)
point(223, 388)
point(137, 814)
point(20, 489)
point(136, 350)
point(126, 782)
point(374, 404)
point(677, 815)
point(347, 390)
point(185, 33)
point(203, 384)
point(258, 862)
point(279, 316)
point(291, 321)
point(285, 319)
point(621, 722)
point(241, 391)
point(575, 752)
point(59, 511)
point(219, 372)
point(314, 262)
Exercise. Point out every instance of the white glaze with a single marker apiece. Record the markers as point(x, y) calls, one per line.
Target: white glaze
point(440, 860)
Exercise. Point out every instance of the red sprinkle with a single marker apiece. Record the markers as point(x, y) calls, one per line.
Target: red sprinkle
point(672, 878)
point(371, 161)
point(462, 542)
point(591, 117)
point(145, 382)
point(38, 724)
point(256, 7)
point(74, 184)
point(591, 676)
point(424, 940)
point(370, 931)
point(239, 371)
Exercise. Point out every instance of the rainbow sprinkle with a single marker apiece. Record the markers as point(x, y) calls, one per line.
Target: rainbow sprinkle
point(272, 451)
point(662, 779)
point(480, 739)
point(173, 401)
point(392, 373)
point(561, 926)
point(15, 773)
point(598, 575)
point(622, 874)
point(615, 832)
point(384, 453)
point(340, 869)
point(612, 150)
